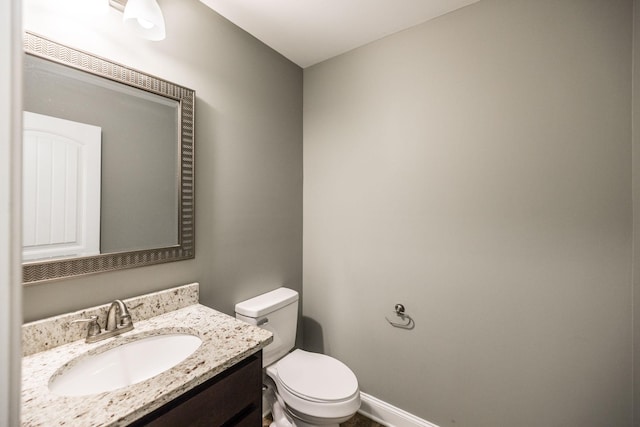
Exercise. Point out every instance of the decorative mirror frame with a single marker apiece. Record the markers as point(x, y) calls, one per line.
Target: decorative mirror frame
point(47, 270)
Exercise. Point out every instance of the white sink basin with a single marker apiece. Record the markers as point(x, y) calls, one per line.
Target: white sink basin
point(124, 365)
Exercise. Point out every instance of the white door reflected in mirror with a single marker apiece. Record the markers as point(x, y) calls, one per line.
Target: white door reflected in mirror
point(61, 188)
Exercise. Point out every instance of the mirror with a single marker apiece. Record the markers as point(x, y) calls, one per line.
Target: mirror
point(108, 165)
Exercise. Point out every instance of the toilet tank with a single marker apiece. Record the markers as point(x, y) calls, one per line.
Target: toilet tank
point(275, 311)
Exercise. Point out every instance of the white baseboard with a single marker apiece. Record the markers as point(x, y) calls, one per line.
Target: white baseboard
point(388, 415)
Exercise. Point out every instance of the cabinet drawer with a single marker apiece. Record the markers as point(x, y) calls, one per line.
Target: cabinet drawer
point(229, 398)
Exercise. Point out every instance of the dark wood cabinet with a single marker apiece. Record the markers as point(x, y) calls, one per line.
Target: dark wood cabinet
point(231, 398)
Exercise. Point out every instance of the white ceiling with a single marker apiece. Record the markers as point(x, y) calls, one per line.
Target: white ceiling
point(310, 31)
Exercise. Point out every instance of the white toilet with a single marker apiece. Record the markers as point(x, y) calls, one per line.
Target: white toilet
point(304, 389)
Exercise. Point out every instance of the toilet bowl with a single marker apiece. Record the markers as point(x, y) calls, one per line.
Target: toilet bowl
point(304, 389)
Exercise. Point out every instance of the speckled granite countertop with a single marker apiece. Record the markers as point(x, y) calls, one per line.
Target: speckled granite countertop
point(225, 342)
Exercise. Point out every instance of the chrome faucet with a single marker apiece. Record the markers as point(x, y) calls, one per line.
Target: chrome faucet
point(118, 322)
point(118, 317)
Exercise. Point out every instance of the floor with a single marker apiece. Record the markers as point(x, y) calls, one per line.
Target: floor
point(358, 420)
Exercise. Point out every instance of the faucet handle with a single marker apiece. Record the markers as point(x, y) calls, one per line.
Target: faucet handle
point(125, 316)
point(94, 327)
point(125, 320)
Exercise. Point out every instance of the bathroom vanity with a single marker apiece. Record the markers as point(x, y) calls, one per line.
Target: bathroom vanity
point(232, 398)
point(218, 384)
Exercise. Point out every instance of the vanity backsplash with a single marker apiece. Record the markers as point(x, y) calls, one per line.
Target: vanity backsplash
point(55, 331)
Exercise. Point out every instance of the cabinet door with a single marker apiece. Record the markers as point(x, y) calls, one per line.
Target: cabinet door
point(232, 398)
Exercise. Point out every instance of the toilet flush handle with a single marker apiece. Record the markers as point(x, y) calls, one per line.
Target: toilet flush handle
point(263, 321)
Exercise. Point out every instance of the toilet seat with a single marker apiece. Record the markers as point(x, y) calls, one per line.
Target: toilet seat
point(316, 384)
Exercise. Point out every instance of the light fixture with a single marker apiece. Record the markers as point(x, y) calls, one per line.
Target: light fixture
point(142, 16)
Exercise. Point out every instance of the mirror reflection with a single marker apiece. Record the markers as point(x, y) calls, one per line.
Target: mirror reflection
point(134, 179)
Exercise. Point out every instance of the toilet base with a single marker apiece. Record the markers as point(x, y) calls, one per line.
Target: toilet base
point(284, 416)
point(310, 421)
point(300, 423)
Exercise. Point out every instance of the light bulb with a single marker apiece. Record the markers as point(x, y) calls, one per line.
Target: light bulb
point(145, 24)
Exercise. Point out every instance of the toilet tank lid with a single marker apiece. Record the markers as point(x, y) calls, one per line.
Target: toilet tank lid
point(267, 303)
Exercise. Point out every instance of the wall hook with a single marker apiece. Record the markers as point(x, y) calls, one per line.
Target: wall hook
point(400, 319)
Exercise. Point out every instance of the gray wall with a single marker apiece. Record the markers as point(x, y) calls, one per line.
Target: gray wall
point(477, 169)
point(636, 210)
point(248, 153)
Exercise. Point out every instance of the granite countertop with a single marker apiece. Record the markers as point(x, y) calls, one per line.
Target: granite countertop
point(225, 342)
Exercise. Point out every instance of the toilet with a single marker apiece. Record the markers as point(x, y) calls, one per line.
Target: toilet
point(303, 389)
